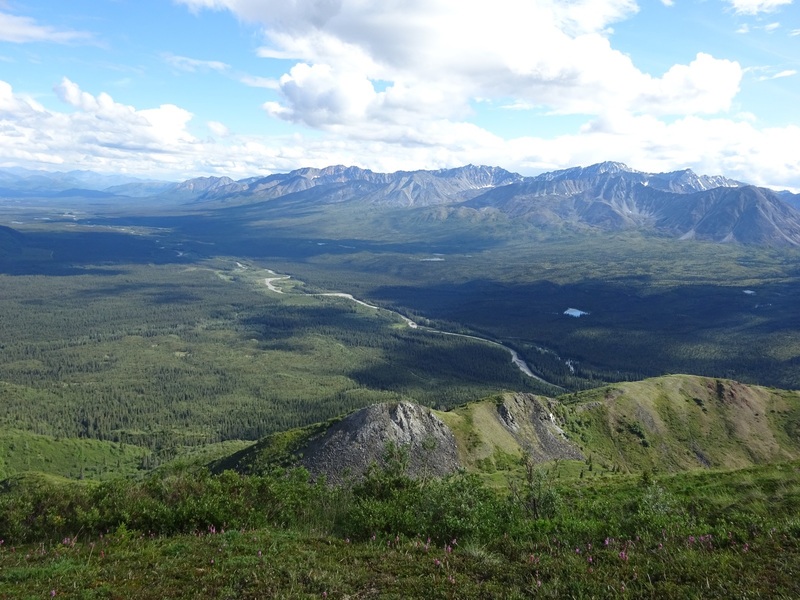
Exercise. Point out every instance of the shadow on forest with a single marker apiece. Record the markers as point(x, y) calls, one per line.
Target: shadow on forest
point(187, 239)
point(632, 327)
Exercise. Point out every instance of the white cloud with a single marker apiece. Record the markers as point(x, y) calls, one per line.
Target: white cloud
point(218, 129)
point(13, 105)
point(21, 30)
point(737, 149)
point(434, 58)
point(779, 75)
point(96, 132)
point(770, 27)
point(706, 85)
point(192, 65)
point(259, 82)
point(319, 96)
point(754, 7)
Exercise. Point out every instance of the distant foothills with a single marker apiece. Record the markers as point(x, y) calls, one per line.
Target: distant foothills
point(608, 196)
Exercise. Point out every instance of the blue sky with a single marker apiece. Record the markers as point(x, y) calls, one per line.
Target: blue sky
point(179, 88)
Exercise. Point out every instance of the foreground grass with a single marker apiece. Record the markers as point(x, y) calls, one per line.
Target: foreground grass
point(273, 563)
point(711, 534)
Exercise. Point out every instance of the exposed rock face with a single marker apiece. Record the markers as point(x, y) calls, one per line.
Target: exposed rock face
point(681, 204)
point(529, 419)
point(348, 448)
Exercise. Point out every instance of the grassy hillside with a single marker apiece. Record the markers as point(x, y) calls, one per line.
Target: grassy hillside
point(22, 451)
point(683, 422)
point(671, 423)
point(564, 528)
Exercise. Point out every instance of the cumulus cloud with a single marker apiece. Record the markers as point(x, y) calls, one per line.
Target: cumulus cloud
point(20, 30)
point(396, 64)
point(706, 85)
point(318, 95)
point(96, 132)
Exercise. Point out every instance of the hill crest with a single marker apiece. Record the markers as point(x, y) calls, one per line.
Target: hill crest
point(670, 423)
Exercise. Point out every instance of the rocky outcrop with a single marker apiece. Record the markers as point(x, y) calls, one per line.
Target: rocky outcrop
point(529, 419)
point(436, 444)
point(348, 448)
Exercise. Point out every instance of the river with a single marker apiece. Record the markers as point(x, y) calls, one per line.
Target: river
point(515, 357)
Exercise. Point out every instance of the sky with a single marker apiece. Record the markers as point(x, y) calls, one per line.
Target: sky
point(173, 89)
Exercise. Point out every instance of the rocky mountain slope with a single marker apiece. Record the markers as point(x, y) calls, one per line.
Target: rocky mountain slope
point(340, 184)
point(680, 204)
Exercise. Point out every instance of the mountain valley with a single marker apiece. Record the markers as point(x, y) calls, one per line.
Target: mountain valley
point(215, 375)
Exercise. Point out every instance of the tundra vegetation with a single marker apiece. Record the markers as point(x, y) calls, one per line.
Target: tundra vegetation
point(181, 532)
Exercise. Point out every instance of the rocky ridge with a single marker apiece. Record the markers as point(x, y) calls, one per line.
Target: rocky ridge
point(437, 443)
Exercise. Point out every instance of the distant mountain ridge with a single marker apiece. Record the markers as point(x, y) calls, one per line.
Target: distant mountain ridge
point(339, 184)
point(19, 182)
point(607, 196)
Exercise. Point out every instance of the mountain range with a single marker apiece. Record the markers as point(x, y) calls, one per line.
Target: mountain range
point(607, 196)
